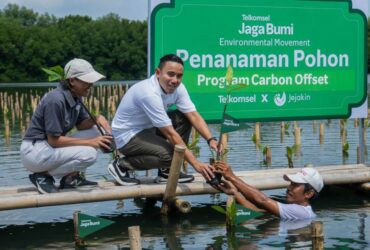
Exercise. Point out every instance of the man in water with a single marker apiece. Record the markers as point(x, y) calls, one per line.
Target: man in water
point(304, 186)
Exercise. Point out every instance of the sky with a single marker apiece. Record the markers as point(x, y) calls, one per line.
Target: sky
point(129, 9)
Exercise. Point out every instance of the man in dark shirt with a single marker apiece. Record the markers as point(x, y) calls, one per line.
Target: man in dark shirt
point(47, 150)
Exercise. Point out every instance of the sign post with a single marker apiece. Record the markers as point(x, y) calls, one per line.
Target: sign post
point(85, 225)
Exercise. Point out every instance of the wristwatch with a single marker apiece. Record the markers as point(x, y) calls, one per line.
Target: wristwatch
point(211, 139)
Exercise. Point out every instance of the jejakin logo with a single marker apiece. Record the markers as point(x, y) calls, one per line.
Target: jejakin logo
point(280, 100)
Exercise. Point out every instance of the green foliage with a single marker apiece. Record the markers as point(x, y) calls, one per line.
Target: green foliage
point(254, 138)
point(290, 151)
point(231, 214)
point(29, 41)
point(230, 87)
point(229, 75)
point(345, 147)
point(229, 79)
point(286, 126)
point(54, 73)
point(219, 209)
point(264, 152)
point(193, 146)
point(265, 148)
point(366, 123)
point(220, 156)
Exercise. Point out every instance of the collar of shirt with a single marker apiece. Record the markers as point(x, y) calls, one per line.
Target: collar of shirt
point(158, 86)
point(71, 100)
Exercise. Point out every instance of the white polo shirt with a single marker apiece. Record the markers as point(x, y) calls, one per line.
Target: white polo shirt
point(295, 212)
point(145, 106)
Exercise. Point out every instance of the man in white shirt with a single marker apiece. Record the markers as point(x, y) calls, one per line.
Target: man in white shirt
point(304, 186)
point(145, 131)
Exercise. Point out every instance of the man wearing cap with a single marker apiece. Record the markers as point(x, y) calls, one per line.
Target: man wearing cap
point(47, 149)
point(304, 186)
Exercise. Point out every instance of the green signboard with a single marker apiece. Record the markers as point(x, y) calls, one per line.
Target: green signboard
point(244, 214)
point(88, 224)
point(299, 59)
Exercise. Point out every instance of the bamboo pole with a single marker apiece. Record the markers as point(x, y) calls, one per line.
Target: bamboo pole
point(297, 136)
point(354, 172)
point(230, 220)
point(170, 192)
point(364, 136)
point(28, 119)
point(317, 235)
point(314, 126)
point(78, 242)
point(365, 187)
point(257, 132)
point(224, 142)
point(113, 106)
point(12, 111)
point(321, 133)
point(181, 205)
point(358, 154)
point(282, 132)
point(21, 124)
point(135, 238)
point(268, 155)
point(120, 91)
point(1, 100)
point(344, 136)
point(27, 196)
point(295, 125)
point(7, 131)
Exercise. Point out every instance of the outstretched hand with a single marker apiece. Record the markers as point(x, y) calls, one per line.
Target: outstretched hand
point(227, 188)
point(206, 170)
point(224, 169)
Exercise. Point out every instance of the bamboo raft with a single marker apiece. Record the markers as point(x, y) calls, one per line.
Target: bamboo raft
point(27, 196)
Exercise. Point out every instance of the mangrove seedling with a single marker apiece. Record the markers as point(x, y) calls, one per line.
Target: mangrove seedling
point(290, 151)
point(266, 155)
point(286, 128)
point(229, 123)
point(345, 148)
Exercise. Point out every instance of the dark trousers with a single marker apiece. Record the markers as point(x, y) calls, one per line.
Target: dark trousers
point(149, 149)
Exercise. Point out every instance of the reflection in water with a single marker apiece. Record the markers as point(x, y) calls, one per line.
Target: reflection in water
point(266, 232)
point(204, 228)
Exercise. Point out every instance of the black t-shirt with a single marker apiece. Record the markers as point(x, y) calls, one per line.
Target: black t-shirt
point(56, 114)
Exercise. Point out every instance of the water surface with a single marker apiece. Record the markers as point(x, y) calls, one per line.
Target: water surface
point(345, 214)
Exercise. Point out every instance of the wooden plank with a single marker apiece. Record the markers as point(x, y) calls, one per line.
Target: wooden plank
point(24, 197)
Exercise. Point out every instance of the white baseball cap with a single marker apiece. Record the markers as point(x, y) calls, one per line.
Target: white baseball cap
point(307, 175)
point(82, 69)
